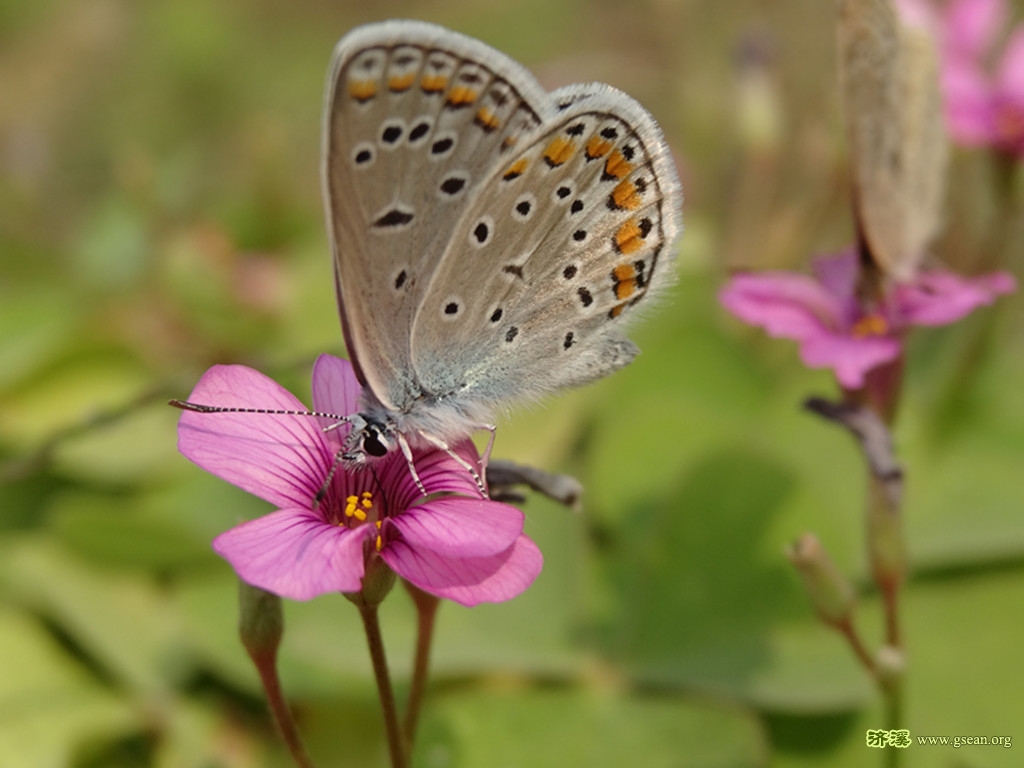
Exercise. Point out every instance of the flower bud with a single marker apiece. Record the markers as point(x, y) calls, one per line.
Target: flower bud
point(831, 593)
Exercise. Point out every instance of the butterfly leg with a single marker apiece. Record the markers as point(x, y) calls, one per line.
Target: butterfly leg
point(407, 452)
point(438, 443)
point(485, 459)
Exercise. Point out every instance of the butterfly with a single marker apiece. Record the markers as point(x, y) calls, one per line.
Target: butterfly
point(490, 239)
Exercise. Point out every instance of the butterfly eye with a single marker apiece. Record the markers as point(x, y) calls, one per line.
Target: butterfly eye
point(372, 442)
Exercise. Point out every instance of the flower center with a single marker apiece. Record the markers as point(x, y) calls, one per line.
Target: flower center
point(359, 509)
point(870, 325)
point(1009, 125)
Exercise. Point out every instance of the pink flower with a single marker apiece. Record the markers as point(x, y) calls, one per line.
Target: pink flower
point(984, 105)
point(452, 543)
point(832, 326)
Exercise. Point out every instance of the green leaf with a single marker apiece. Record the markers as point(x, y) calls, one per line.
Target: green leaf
point(121, 621)
point(49, 706)
point(556, 728)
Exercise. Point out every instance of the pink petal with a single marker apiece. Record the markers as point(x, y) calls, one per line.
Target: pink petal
point(919, 14)
point(282, 459)
point(939, 297)
point(335, 388)
point(295, 554)
point(849, 357)
point(968, 103)
point(785, 304)
point(457, 526)
point(838, 274)
point(438, 471)
point(468, 581)
point(971, 26)
point(1010, 79)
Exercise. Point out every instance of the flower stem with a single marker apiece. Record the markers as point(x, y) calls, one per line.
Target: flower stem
point(260, 628)
point(848, 631)
point(371, 624)
point(267, 668)
point(426, 611)
point(887, 552)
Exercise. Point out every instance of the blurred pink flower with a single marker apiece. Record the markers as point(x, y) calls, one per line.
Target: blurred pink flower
point(452, 543)
point(834, 330)
point(984, 99)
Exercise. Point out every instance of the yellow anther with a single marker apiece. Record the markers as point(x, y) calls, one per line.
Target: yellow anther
point(358, 514)
point(870, 325)
point(380, 544)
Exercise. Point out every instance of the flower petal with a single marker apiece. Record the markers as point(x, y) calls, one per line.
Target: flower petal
point(468, 581)
point(335, 388)
point(785, 304)
point(939, 297)
point(971, 26)
point(282, 459)
point(919, 14)
point(1010, 78)
point(838, 273)
point(438, 472)
point(295, 554)
point(458, 526)
point(849, 357)
point(968, 95)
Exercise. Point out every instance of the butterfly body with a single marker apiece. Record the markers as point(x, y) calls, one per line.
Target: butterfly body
point(490, 238)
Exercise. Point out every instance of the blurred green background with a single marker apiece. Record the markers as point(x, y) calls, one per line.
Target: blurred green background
point(160, 212)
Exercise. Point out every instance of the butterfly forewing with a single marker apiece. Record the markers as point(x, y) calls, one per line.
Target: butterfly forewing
point(568, 234)
point(415, 116)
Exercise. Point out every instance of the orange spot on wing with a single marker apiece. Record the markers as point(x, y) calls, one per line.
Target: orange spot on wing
point(617, 166)
point(629, 237)
point(616, 310)
point(486, 119)
point(461, 95)
point(516, 169)
point(597, 147)
point(558, 151)
point(433, 83)
point(626, 196)
point(362, 90)
point(624, 271)
point(625, 278)
point(399, 83)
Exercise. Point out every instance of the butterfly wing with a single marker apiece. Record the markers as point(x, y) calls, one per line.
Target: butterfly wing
point(414, 116)
point(569, 233)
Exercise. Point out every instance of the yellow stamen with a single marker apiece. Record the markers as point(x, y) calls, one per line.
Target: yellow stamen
point(1009, 123)
point(870, 325)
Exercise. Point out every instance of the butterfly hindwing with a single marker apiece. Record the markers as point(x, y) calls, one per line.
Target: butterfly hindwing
point(567, 235)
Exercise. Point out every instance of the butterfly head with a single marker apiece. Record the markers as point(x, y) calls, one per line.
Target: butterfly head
point(369, 439)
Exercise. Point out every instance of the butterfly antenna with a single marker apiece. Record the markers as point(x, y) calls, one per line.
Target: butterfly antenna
point(322, 493)
point(185, 405)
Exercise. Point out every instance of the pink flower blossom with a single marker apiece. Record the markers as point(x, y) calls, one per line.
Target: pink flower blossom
point(452, 543)
point(984, 99)
point(834, 329)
